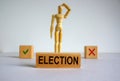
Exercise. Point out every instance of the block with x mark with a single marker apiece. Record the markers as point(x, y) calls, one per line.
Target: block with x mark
point(91, 52)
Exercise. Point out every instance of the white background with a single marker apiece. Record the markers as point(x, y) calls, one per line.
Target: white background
point(91, 22)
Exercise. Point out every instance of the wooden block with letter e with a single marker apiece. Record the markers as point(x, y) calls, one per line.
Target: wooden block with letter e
point(58, 60)
point(26, 51)
point(91, 52)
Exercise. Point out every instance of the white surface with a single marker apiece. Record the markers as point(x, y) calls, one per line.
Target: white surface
point(91, 22)
point(106, 68)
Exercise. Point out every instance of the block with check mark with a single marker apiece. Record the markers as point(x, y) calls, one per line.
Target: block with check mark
point(26, 51)
point(91, 52)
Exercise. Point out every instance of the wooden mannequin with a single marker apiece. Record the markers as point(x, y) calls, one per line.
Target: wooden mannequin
point(58, 29)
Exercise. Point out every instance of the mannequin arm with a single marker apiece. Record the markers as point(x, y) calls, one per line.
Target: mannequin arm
point(52, 25)
point(68, 10)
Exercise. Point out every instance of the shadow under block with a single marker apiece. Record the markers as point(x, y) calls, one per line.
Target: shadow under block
point(58, 60)
point(91, 52)
point(26, 51)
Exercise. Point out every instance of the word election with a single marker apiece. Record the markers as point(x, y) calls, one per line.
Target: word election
point(58, 60)
point(55, 60)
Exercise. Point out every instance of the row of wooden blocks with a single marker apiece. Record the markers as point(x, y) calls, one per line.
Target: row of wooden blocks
point(27, 51)
point(57, 60)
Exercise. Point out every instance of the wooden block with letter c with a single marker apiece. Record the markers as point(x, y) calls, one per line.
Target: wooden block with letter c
point(58, 60)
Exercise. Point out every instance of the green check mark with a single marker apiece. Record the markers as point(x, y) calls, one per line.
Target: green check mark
point(25, 51)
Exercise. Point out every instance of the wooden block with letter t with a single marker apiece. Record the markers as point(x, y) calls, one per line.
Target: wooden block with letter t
point(91, 52)
point(26, 51)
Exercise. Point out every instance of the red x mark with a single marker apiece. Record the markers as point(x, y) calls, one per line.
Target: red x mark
point(92, 51)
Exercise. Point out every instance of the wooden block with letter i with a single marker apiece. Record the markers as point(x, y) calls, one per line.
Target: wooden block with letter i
point(91, 52)
point(26, 51)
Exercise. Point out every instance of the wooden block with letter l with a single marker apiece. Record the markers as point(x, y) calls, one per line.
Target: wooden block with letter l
point(58, 60)
point(26, 51)
point(91, 52)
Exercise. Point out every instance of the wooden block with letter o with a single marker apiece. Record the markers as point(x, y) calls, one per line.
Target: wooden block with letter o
point(58, 60)
point(26, 51)
point(91, 52)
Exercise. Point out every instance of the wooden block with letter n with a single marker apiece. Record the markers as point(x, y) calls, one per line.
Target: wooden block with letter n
point(26, 51)
point(58, 60)
point(91, 52)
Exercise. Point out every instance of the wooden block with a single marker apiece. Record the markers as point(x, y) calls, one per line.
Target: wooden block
point(58, 60)
point(26, 51)
point(91, 52)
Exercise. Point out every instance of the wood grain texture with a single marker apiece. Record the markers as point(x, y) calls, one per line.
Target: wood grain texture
point(26, 51)
point(91, 52)
point(54, 60)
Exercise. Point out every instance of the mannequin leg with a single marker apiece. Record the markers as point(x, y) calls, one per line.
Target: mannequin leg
point(56, 41)
point(60, 42)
